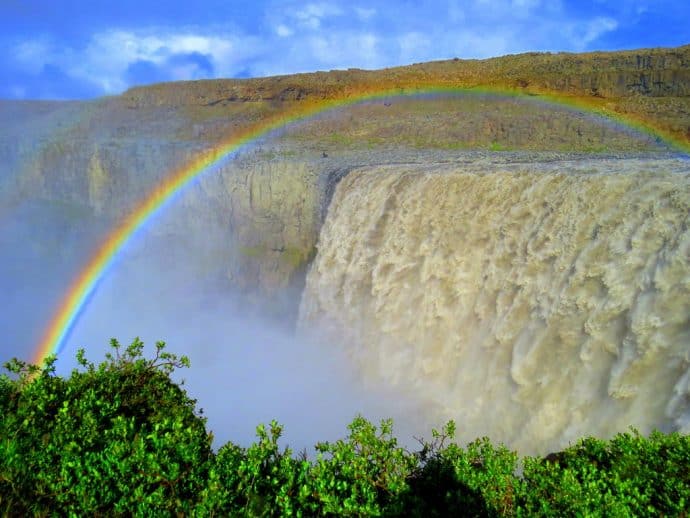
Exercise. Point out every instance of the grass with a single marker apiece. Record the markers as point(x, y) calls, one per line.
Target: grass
point(470, 121)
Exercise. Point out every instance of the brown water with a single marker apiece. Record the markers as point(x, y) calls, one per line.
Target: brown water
point(534, 303)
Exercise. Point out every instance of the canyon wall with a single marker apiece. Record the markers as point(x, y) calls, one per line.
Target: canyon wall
point(521, 265)
point(254, 219)
point(650, 85)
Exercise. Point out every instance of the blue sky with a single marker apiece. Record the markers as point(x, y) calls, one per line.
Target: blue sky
point(71, 49)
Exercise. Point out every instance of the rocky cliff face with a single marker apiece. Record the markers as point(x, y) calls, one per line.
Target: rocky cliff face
point(263, 209)
point(625, 82)
point(656, 72)
point(255, 220)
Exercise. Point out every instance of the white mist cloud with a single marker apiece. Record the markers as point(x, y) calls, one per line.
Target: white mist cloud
point(284, 31)
point(456, 14)
point(345, 49)
point(414, 43)
point(244, 369)
point(107, 57)
point(311, 15)
point(31, 55)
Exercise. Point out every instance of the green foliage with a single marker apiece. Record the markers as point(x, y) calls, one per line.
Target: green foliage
point(497, 146)
point(257, 481)
point(121, 438)
point(364, 475)
point(450, 480)
point(627, 476)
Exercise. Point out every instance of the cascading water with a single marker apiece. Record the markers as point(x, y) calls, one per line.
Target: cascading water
point(533, 303)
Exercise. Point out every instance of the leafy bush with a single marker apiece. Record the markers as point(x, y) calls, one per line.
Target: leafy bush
point(364, 475)
point(122, 438)
point(257, 481)
point(627, 476)
point(118, 438)
point(478, 481)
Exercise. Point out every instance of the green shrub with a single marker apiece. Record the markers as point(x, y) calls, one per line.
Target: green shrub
point(626, 476)
point(365, 475)
point(118, 438)
point(123, 439)
point(452, 481)
point(258, 481)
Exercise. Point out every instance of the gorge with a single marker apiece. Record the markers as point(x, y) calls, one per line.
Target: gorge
point(514, 263)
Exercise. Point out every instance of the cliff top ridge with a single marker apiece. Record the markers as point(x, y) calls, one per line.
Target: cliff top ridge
point(650, 86)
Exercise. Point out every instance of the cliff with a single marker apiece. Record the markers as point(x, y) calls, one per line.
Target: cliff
point(265, 207)
point(651, 85)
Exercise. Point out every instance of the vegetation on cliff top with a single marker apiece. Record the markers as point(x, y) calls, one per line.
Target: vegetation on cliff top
point(650, 86)
point(123, 438)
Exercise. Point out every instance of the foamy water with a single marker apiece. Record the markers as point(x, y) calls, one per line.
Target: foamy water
point(534, 303)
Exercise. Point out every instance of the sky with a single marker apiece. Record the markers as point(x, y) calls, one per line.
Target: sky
point(77, 49)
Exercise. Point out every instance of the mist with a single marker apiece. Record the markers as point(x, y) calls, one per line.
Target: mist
point(42, 250)
point(246, 368)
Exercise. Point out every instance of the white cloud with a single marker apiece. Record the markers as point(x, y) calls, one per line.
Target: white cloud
point(108, 55)
point(523, 9)
point(284, 31)
point(319, 10)
point(289, 19)
point(344, 50)
point(31, 55)
point(414, 44)
point(526, 4)
point(105, 59)
point(580, 36)
point(311, 15)
point(595, 28)
point(364, 13)
point(322, 35)
point(456, 14)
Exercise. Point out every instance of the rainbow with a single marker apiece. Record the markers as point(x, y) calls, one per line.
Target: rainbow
point(86, 282)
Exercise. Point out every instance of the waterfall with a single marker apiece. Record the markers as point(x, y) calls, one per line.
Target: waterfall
point(531, 302)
